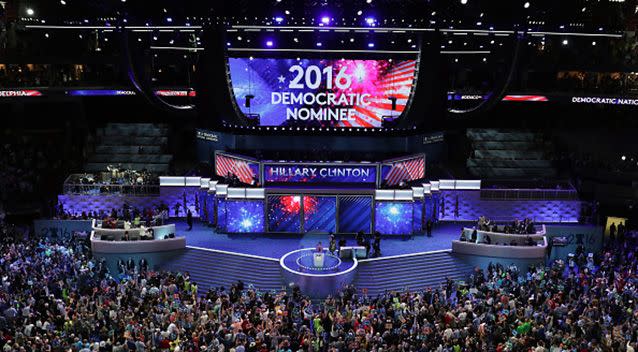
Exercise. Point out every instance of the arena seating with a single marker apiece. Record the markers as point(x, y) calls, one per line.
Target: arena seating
point(136, 146)
point(505, 153)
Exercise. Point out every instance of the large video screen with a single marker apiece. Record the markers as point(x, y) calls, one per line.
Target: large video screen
point(393, 218)
point(355, 214)
point(244, 169)
point(392, 173)
point(245, 216)
point(322, 92)
point(284, 213)
point(320, 214)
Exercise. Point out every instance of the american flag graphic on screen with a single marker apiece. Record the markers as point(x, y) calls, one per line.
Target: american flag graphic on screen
point(267, 81)
point(396, 83)
point(409, 170)
point(243, 169)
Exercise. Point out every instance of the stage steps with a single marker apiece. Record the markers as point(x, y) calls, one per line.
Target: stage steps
point(415, 272)
point(136, 146)
point(210, 268)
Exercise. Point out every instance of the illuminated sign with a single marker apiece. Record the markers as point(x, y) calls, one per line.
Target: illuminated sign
point(100, 92)
point(322, 93)
point(605, 100)
point(20, 93)
point(319, 173)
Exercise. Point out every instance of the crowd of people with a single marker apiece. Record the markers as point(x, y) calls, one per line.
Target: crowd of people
point(56, 297)
point(520, 227)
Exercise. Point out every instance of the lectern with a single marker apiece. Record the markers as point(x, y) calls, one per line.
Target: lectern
point(318, 259)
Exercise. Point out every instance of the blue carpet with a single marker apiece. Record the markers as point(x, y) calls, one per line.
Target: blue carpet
point(276, 245)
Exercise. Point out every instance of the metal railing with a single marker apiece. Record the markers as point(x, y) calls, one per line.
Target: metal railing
point(96, 189)
point(529, 194)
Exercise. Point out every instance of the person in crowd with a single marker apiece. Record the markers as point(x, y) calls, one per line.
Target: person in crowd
point(463, 238)
point(474, 235)
point(332, 247)
point(376, 245)
point(56, 299)
point(428, 228)
point(342, 243)
point(189, 220)
point(612, 232)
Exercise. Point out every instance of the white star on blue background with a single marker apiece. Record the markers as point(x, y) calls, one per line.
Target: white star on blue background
point(281, 79)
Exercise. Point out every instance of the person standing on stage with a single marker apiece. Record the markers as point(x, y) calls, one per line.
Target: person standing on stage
point(319, 247)
point(428, 228)
point(332, 247)
point(189, 219)
point(376, 245)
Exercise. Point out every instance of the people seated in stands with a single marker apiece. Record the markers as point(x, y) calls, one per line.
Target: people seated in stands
point(487, 239)
point(474, 235)
point(126, 236)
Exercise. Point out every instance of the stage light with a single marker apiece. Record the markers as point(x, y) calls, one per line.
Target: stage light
point(325, 20)
point(169, 19)
point(227, 43)
point(368, 1)
point(250, 58)
point(565, 41)
point(526, 5)
point(269, 43)
point(370, 21)
point(279, 19)
point(484, 59)
point(30, 12)
point(46, 35)
point(409, 41)
point(623, 158)
point(239, 38)
point(491, 42)
point(370, 45)
point(351, 40)
point(463, 2)
point(171, 42)
point(359, 13)
point(62, 2)
point(296, 40)
point(593, 43)
point(319, 44)
point(287, 12)
point(394, 211)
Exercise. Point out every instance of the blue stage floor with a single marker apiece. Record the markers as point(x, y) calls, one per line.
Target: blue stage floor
point(274, 246)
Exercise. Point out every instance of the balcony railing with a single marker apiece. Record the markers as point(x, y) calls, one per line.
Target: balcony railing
point(529, 194)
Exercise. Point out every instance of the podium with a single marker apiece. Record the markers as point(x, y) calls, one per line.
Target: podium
point(318, 259)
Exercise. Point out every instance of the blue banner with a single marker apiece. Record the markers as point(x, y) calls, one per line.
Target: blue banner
point(319, 173)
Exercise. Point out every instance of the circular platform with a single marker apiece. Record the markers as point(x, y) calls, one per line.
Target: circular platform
point(298, 268)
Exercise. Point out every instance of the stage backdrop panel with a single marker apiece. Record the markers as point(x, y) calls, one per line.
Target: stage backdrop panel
point(284, 213)
point(320, 214)
point(244, 216)
point(221, 214)
point(355, 214)
point(468, 206)
point(393, 218)
point(417, 215)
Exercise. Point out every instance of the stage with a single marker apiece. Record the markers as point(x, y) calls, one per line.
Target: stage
point(276, 245)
